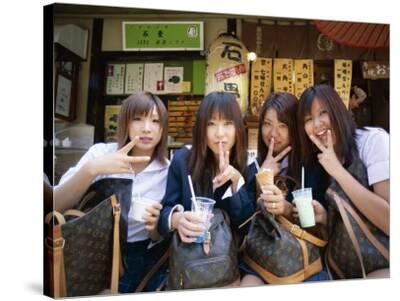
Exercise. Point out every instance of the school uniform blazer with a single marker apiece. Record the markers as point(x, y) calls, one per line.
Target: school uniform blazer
point(238, 206)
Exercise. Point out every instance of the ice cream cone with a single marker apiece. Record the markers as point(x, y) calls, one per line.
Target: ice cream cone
point(265, 177)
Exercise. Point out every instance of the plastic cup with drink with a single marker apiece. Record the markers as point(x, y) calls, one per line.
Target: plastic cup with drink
point(139, 207)
point(203, 207)
point(303, 201)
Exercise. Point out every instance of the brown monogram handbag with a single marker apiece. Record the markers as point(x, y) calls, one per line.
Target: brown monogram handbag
point(279, 251)
point(356, 246)
point(84, 250)
point(210, 264)
point(84, 244)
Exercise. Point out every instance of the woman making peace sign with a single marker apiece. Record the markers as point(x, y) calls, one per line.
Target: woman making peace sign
point(216, 162)
point(328, 137)
point(278, 144)
point(138, 155)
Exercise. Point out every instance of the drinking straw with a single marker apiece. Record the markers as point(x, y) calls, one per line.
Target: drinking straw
point(196, 206)
point(257, 166)
point(302, 177)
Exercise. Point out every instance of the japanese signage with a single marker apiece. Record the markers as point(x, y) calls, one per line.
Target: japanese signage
point(304, 74)
point(343, 74)
point(261, 81)
point(162, 36)
point(153, 78)
point(252, 136)
point(110, 122)
point(173, 77)
point(115, 79)
point(283, 75)
point(63, 97)
point(227, 69)
point(230, 72)
point(134, 78)
point(375, 70)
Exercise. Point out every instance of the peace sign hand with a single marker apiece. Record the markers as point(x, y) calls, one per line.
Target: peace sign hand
point(327, 158)
point(226, 171)
point(273, 162)
point(117, 162)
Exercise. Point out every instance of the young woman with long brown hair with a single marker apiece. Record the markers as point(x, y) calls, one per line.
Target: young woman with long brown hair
point(138, 155)
point(329, 138)
point(278, 149)
point(216, 162)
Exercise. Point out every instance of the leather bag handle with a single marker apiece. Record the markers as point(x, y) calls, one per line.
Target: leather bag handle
point(349, 228)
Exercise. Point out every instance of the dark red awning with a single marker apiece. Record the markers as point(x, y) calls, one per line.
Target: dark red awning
point(361, 35)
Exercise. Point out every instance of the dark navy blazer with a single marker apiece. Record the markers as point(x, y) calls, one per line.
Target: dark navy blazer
point(239, 206)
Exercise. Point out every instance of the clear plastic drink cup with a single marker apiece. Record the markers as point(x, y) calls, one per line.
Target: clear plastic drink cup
point(303, 201)
point(203, 209)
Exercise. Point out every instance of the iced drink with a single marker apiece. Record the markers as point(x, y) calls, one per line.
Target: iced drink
point(303, 201)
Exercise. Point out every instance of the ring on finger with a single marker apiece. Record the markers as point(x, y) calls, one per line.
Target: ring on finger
point(274, 205)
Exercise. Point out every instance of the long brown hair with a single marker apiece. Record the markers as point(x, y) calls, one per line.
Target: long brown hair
point(285, 106)
point(201, 161)
point(139, 104)
point(342, 124)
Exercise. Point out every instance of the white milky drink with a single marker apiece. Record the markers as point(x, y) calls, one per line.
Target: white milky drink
point(303, 202)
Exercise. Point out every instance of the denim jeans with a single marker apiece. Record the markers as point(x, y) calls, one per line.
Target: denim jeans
point(139, 261)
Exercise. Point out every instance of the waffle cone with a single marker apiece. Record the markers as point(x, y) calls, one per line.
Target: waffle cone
point(265, 177)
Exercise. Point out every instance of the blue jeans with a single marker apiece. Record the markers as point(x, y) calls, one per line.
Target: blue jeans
point(139, 261)
point(321, 276)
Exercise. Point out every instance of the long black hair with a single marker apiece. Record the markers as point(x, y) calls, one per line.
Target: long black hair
point(343, 126)
point(201, 161)
point(285, 105)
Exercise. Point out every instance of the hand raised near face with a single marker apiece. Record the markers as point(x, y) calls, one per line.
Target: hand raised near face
point(117, 162)
point(226, 171)
point(327, 158)
point(273, 162)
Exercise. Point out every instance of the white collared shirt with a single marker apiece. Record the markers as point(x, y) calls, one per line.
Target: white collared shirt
point(150, 183)
point(373, 148)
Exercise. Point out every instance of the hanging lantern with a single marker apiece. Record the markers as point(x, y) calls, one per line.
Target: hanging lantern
point(227, 68)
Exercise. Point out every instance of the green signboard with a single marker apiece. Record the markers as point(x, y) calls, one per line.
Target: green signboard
point(162, 36)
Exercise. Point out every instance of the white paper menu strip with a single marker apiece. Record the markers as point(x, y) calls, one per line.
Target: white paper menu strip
point(153, 78)
point(115, 79)
point(134, 78)
point(173, 77)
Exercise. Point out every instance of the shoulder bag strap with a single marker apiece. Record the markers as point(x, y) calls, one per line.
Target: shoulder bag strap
point(55, 254)
point(300, 233)
point(74, 212)
point(116, 250)
point(244, 241)
point(151, 273)
point(86, 199)
point(349, 228)
point(57, 215)
point(376, 243)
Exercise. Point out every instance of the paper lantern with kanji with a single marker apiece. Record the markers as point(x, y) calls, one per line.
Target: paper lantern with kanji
point(227, 68)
